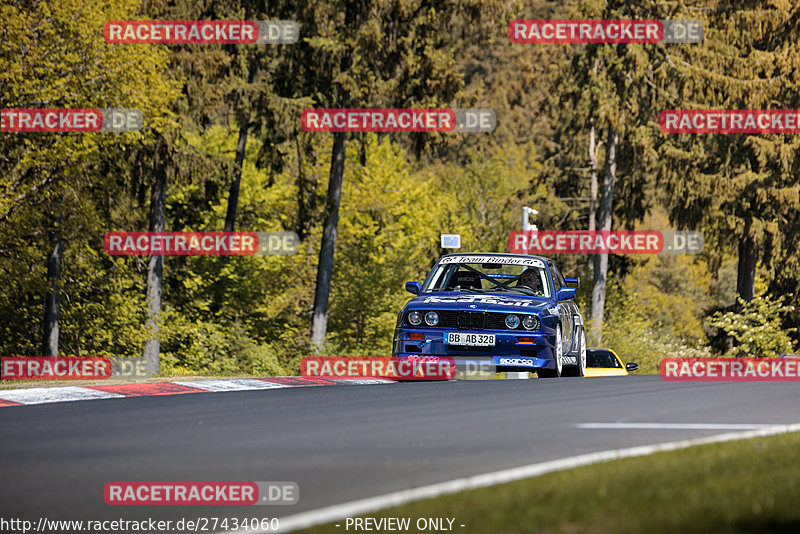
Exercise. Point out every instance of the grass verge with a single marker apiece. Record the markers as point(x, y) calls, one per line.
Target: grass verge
point(748, 486)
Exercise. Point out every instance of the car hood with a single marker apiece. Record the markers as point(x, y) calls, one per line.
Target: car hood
point(483, 302)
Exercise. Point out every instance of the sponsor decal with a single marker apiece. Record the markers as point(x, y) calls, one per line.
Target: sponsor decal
point(396, 368)
point(605, 31)
point(730, 121)
point(479, 299)
point(605, 242)
point(740, 369)
point(201, 32)
point(397, 120)
point(200, 493)
point(200, 243)
point(61, 120)
point(497, 259)
point(54, 368)
point(522, 362)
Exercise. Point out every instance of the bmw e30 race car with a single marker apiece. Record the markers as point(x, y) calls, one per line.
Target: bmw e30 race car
point(515, 311)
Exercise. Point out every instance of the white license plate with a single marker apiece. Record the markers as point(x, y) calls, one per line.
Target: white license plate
point(469, 339)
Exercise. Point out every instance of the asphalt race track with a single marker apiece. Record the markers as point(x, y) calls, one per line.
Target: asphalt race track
point(345, 443)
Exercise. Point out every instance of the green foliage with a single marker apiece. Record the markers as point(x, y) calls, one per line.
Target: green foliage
point(252, 314)
point(757, 330)
point(673, 292)
point(736, 186)
point(53, 55)
point(637, 336)
point(207, 348)
point(387, 233)
point(482, 195)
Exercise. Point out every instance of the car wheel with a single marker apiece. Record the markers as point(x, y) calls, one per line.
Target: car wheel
point(580, 369)
point(559, 358)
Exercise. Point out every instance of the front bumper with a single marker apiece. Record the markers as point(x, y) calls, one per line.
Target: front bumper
point(510, 353)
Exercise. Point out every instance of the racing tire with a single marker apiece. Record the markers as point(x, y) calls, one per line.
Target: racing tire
point(579, 369)
point(559, 358)
point(580, 358)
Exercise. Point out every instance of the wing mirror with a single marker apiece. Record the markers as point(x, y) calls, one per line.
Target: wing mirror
point(565, 293)
point(413, 287)
point(631, 366)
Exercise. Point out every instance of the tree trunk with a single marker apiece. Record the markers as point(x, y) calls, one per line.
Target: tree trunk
point(746, 272)
point(592, 181)
point(155, 270)
point(306, 195)
point(593, 149)
point(233, 196)
point(52, 303)
point(319, 323)
point(604, 223)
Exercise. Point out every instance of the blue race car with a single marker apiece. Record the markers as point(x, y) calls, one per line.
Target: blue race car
point(512, 311)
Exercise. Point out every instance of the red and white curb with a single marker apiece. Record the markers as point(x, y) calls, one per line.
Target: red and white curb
point(39, 395)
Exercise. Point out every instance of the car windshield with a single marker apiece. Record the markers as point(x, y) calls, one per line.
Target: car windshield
point(490, 275)
point(602, 358)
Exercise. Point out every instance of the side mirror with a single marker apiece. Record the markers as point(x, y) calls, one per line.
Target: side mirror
point(565, 293)
point(413, 287)
point(573, 281)
point(631, 366)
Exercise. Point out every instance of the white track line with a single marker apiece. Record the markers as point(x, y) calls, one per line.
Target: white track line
point(372, 504)
point(233, 384)
point(675, 426)
point(57, 394)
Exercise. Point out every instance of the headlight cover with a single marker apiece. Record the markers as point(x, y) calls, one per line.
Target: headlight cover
point(531, 322)
point(512, 321)
point(431, 318)
point(415, 318)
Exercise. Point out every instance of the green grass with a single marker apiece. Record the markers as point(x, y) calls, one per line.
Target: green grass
point(742, 487)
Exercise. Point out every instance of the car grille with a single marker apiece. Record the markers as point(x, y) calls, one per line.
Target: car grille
point(496, 321)
point(471, 320)
point(448, 319)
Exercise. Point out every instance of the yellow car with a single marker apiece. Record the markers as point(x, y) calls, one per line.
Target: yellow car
point(605, 362)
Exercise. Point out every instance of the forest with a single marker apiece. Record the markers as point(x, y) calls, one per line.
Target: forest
point(577, 138)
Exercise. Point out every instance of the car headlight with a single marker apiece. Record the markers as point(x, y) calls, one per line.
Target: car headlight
point(530, 322)
point(415, 318)
point(431, 318)
point(512, 321)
